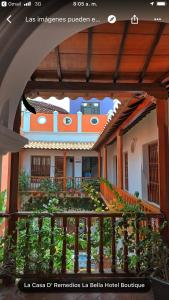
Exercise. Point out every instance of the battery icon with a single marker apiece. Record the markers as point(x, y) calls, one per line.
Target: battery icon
point(161, 3)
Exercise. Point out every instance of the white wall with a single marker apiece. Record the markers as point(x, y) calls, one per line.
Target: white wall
point(77, 154)
point(144, 133)
point(111, 163)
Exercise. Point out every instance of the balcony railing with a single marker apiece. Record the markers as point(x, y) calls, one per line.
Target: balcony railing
point(55, 184)
point(51, 244)
point(110, 198)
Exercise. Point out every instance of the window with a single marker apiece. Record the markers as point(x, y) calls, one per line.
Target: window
point(67, 120)
point(94, 121)
point(90, 108)
point(90, 166)
point(59, 166)
point(153, 185)
point(42, 120)
point(40, 166)
point(126, 180)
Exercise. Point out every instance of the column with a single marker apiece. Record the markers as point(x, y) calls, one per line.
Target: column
point(64, 170)
point(79, 121)
point(120, 160)
point(12, 197)
point(26, 121)
point(105, 162)
point(55, 121)
point(99, 164)
point(52, 167)
point(163, 144)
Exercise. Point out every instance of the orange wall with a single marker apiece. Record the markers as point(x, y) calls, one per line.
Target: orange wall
point(88, 127)
point(35, 126)
point(5, 172)
point(68, 128)
point(48, 126)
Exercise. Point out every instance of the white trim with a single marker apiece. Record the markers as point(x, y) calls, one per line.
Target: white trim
point(42, 118)
point(96, 118)
point(64, 120)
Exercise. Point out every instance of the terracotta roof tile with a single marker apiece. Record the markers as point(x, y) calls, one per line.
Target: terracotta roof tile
point(60, 145)
point(42, 107)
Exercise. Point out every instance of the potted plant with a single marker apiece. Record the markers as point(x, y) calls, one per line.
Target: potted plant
point(155, 261)
point(160, 274)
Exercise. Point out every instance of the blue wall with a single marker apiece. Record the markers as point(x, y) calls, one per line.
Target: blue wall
point(105, 105)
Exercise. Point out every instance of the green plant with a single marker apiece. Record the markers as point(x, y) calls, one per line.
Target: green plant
point(136, 194)
point(153, 256)
point(49, 186)
point(24, 181)
point(93, 194)
point(2, 203)
point(33, 254)
point(156, 253)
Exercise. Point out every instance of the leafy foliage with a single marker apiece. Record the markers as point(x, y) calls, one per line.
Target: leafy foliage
point(49, 186)
point(2, 203)
point(35, 247)
point(24, 181)
point(93, 194)
point(153, 256)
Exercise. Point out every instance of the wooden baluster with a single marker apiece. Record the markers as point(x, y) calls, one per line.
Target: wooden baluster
point(137, 244)
point(101, 252)
point(89, 245)
point(26, 264)
point(52, 246)
point(76, 261)
point(113, 268)
point(125, 247)
point(64, 245)
point(40, 223)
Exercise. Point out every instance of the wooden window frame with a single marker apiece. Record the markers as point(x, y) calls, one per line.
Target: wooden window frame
point(41, 170)
point(126, 171)
point(153, 178)
point(94, 111)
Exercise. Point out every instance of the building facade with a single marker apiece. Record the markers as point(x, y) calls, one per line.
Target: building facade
point(60, 145)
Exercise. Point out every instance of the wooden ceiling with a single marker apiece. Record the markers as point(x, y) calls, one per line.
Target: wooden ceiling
point(119, 53)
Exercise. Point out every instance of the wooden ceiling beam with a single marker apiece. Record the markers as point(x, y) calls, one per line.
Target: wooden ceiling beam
point(163, 77)
point(89, 54)
point(154, 89)
point(151, 51)
point(121, 50)
point(106, 76)
point(58, 67)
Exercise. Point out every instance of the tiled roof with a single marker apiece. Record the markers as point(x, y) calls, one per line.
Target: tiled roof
point(60, 145)
point(42, 107)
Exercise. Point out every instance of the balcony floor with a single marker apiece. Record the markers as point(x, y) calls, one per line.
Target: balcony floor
point(14, 294)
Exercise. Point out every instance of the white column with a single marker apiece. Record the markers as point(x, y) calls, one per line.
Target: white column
point(55, 121)
point(26, 121)
point(79, 121)
point(52, 166)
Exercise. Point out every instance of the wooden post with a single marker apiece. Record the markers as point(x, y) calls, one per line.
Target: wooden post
point(12, 197)
point(99, 164)
point(64, 170)
point(105, 162)
point(163, 149)
point(120, 160)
